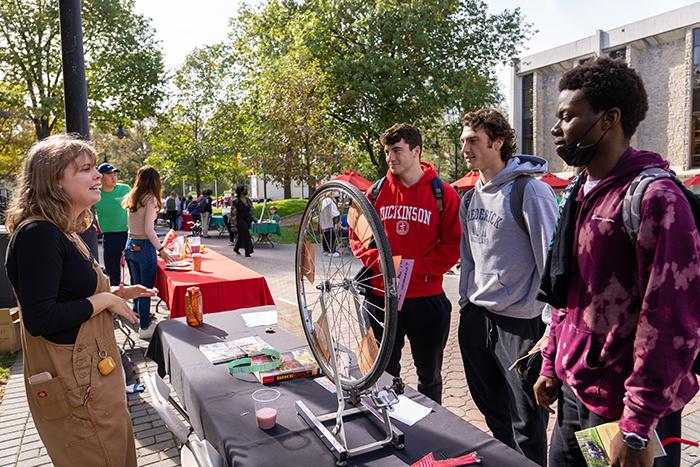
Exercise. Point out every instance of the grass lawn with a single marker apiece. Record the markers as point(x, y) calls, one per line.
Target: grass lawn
point(284, 207)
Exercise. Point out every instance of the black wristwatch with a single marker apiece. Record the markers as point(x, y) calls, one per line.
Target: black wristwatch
point(634, 441)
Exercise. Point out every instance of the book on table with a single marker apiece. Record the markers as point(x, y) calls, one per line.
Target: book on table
point(298, 363)
point(221, 352)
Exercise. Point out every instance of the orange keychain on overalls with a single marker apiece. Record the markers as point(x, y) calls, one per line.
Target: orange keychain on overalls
point(106, 365)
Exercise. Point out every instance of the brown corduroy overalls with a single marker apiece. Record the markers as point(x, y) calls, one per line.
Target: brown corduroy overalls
point(81, 415)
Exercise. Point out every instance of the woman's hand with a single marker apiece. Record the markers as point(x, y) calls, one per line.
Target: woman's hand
point(129, 292)
point(119, 307)
point(546, 392)
point(166, 257)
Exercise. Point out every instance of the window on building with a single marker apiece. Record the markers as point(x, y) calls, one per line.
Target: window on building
point(695, 122)
point(618, 53)
point(527, 106)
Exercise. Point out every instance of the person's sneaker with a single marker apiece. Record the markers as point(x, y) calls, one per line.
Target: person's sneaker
point(146, 333)
point(325, 253)
point(335, 254)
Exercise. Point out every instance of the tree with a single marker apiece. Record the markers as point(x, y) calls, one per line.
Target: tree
point(190, 142)
point(124, 66)
point(391, 60)
point(16, 133)
point(288, 132)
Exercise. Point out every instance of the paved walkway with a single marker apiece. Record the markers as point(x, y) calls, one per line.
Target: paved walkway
point(20, 444)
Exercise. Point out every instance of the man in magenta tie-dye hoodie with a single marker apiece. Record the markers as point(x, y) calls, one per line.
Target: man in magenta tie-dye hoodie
point(623, 346)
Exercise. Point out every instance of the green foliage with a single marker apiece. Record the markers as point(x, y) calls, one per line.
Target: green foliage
point(7, 359)
point(288, 132)
point(196, 139)
point(391, 60)
point(124, 66)
point(16, 132)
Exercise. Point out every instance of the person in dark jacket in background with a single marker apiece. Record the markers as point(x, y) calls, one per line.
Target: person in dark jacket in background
point(244, 218)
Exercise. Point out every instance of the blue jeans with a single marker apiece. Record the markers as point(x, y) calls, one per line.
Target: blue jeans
point(141, 258)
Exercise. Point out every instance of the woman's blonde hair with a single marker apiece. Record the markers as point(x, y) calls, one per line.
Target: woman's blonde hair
point(38, 193)
point(147, 185)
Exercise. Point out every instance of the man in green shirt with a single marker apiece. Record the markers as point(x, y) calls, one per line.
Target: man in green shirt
point(112, 219)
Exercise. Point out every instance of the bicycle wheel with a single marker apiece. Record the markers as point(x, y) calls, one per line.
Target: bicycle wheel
point(345, 304)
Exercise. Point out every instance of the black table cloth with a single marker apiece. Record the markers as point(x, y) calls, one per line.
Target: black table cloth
point(221, 409)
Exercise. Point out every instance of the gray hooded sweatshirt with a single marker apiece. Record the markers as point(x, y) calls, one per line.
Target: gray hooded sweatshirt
point(501, 264)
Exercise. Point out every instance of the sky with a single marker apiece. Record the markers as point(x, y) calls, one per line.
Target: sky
point(181, 27)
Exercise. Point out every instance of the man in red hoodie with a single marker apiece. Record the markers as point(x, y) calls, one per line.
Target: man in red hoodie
point(417, 229)
point(625, 335)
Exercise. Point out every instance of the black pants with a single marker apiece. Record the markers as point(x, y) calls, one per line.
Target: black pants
point(244, 239)
point(426, 323)
point(573, 416)
point(490, 344)
point(328, 240)
point(114, 244)
point(172, 219)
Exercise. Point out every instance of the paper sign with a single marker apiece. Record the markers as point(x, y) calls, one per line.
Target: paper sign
point(408, 411)
point(359, 226)
point(260, 318)
point(308, 261)
point(367, 351)
point(403, 277)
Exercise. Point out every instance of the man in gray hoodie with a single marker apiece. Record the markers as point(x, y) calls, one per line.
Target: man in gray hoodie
point(507, 223)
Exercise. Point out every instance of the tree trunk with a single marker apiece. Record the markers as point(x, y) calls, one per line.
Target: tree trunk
point(42, 128)
point(287, 187)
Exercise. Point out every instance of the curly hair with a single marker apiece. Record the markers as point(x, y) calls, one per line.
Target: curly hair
point(146, 186)
point(608, 83)
point(495, 125)
point(399, 131)
point(37, 192)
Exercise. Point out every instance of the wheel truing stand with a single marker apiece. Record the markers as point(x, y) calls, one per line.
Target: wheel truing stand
point(375, 401)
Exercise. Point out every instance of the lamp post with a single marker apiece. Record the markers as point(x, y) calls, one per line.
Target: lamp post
point(75, 85)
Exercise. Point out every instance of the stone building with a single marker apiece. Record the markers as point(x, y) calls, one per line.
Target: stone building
point(664, 49)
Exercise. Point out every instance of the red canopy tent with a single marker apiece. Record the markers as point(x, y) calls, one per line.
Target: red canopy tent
point(554, 181)
point(468, 181)
point(353, 177)
point(694, 180)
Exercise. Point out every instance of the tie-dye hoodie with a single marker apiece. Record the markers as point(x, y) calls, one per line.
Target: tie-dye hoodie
point(631, 328)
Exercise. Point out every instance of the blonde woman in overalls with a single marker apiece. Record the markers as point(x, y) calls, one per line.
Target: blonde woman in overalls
point(72, 368)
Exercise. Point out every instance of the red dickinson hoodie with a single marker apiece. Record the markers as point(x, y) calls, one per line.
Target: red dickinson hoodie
point(417, 230)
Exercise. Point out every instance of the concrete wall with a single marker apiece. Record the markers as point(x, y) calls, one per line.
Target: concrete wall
point(666, 76)
point(546, 118)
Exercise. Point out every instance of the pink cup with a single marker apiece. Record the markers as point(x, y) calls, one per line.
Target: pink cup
point(265, 407)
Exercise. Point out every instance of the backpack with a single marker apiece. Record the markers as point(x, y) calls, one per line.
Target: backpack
point(631, 207)
point(516, 199)
point(435, 184)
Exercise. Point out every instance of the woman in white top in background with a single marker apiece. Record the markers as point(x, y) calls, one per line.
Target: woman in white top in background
point(143, 204)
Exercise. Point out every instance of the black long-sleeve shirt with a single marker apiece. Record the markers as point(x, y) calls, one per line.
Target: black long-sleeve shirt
point(52, 281)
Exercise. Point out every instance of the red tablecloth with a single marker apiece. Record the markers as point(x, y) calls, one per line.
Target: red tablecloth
point(225, 285)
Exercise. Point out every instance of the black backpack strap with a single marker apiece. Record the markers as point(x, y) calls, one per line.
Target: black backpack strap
point(467, 197)
point(376, 188)
point(436, 185)
point(516, 200)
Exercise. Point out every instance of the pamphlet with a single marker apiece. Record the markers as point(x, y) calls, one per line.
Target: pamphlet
point(403, 277)
point(220, 352)
point(595, 444)
point(298, 363)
